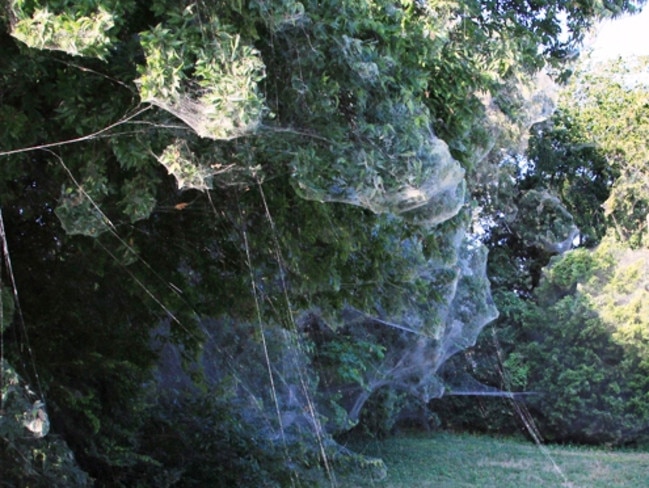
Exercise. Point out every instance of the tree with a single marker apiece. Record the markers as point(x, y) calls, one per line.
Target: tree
point(594, 152)
point(576, 169)
point(571, 325)
point(584, 346)
point(249, 166)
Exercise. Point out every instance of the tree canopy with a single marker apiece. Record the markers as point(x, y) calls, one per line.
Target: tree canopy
point(252, 218)
point(572, 327)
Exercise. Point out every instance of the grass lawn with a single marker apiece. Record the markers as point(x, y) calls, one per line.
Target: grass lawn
point(442, 460)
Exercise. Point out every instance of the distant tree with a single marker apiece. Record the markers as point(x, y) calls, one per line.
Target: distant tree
point(594, 152)
point(571, 326)
point(584, 347)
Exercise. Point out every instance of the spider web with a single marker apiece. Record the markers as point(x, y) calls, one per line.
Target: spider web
point(78, 35)
point(422, 184)
point(221, 100)
point(17, 399)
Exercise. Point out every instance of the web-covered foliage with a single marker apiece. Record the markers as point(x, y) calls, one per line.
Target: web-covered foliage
point(82, 32)
point(220, 100)
point(24, 419)
point(290, 198)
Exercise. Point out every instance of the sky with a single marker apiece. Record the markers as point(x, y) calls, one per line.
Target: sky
point(624, 36)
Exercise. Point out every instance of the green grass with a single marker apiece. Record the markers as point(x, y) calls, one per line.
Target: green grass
point(441, 460)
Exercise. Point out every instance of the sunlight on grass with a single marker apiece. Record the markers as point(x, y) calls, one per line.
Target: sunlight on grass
point(443, 460)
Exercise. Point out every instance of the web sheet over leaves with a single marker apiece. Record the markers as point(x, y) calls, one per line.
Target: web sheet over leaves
point(327, 252)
